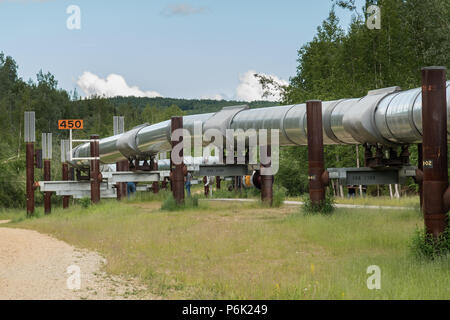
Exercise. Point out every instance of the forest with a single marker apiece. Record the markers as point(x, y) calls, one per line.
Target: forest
point(337, 63)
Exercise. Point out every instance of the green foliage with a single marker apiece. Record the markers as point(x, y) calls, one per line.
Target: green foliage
point(279, 195)
point(425, 246)
point(162, 195)
point(85, 202)
point(52, 104)
point(326, 207)
point(193, 106)
point(340, 64)
point(171, 205)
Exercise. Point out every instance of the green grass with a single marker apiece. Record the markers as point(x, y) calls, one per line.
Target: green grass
point(412, 202)
point(245, 251)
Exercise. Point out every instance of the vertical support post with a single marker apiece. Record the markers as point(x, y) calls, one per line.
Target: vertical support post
point(206, 186)
point(119, 185)
point(95, 169)
point(47, 195)
point(420, 167)
point(164, 184)
point(65, 169)
point(30, 177)
point(125, 165)
point(218, 183)
point(177, 172)
point(315, 151)
point(47, 155)
point(65, 177)
point(155, 185)
point(435, 165)
point(119, 128)
point(30, 139)
point(266, 179)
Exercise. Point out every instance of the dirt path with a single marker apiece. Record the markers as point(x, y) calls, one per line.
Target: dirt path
point(34, 266)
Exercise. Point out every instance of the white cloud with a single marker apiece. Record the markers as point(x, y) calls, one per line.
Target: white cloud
point(213, 97)
point(182, 9)
point(114, 85)
point(250, 89)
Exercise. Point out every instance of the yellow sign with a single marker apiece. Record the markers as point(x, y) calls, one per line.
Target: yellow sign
point(70, 124)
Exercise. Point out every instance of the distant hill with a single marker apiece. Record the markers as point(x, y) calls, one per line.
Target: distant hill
point(193, 106)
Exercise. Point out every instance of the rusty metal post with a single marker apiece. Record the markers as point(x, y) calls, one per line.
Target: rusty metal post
point(65, 177)
point(177, 170)
point(95, 169)
point(420, 167)
point(218, 183)
point(435, 165)
point(164, 184)
point(119, 185)
point(266, 180)
point(315, 151)
point(47, 195)
point(125, 165)
point(206, 187)
point(155, 185)
point(30, 177)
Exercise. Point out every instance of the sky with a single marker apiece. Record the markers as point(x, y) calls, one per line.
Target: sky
point(179, 49)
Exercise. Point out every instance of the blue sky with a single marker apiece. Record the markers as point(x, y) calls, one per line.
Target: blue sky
point(186, 48)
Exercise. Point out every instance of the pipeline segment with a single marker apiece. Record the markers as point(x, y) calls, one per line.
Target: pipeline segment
point(388, 117)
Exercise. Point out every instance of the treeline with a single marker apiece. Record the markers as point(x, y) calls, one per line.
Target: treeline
point(191, 106)
point(336, 64)
point(52, 104)
point(340, 63)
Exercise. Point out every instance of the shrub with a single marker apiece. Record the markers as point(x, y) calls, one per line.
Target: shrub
point(171, 205)
point(85, 202)
point(279, 195)
point(325, 207)
point(149, 196)
point(425, 246)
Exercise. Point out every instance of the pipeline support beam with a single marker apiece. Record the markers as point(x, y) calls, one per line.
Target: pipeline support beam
point(218, 180)
point(47, 195)
point(155, 185)
point(316, 166)
point(30, 177)
point(65, 177)
point(95, 170)
point(420, 168)
point(266, 179)
point(177, 170)
point(435, 165)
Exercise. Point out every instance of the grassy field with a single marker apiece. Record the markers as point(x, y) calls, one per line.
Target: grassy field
point(243, 251)
point(410, 202)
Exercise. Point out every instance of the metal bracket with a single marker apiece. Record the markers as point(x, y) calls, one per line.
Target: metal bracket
point(71, 141)
point(223, 170)
point(370, 176)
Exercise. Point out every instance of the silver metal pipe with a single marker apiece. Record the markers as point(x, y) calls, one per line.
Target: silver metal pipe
point(386, 116)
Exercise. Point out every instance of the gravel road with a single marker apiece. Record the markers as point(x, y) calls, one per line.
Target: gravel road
point(33, 266)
